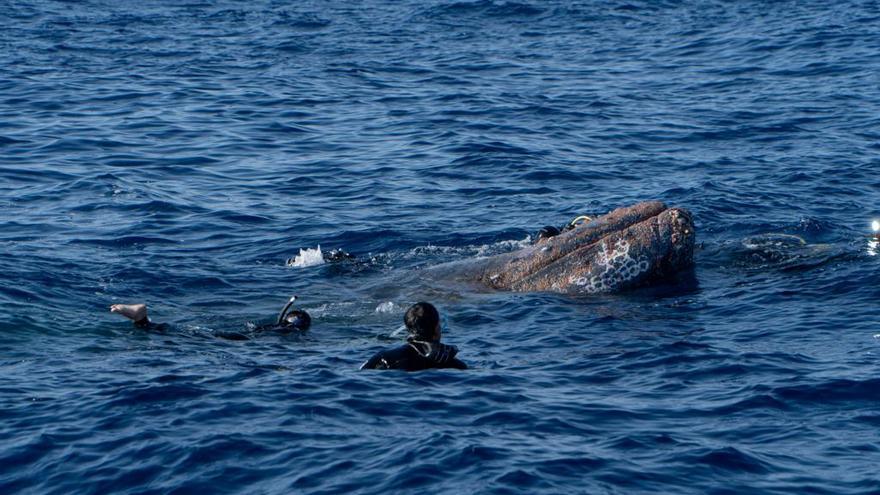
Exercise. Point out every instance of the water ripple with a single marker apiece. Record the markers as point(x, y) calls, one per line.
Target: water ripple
point(178, 154)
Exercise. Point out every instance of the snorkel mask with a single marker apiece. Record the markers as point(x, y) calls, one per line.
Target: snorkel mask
point(293, 319)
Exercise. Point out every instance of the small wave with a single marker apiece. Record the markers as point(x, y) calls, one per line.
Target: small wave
point(288, 128)
point(125, 241)
point(302, 21)
point(731, 459)
point(145, 395)
point(6, 141)
point(490, 147)
point(207, 282)
point(241, 218)
point(487, 8)
point(833, 391)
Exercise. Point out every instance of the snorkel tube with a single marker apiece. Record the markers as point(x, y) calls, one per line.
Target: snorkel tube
point(284, 311)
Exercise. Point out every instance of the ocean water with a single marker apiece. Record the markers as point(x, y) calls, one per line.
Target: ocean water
point(178, 153)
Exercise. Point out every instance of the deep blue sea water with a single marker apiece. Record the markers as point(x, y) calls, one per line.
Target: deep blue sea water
point(178, 153)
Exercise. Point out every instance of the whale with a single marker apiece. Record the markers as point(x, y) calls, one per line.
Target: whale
point(629, 247)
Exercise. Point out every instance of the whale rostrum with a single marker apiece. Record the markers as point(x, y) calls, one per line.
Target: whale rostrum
point(626, 248)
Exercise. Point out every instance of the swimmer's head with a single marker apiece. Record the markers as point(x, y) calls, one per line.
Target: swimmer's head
point(577, 222)
point(423, 322)
point(297, 320)
point(546, 232)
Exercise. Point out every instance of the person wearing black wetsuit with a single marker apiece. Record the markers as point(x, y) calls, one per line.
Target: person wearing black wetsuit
point(423, 349)
point(289, 320)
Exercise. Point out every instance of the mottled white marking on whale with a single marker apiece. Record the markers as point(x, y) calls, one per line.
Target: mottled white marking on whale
point(617, 267)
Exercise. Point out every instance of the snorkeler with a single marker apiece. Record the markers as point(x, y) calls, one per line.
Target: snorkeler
point(549, 231)
point(423, 349)
point(289, 320)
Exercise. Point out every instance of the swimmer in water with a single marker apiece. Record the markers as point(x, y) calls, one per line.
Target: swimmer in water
point(549, 231)
point(289, 320)
point(423, 349)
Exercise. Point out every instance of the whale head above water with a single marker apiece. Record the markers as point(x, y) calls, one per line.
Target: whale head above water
point(626, 248)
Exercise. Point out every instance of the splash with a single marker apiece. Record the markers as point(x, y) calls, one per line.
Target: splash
point(386, 307)
point(306, 258)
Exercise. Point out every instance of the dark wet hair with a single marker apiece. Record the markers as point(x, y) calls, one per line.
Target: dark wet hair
point(547, 232)
point(297, 320)
point(421, 320)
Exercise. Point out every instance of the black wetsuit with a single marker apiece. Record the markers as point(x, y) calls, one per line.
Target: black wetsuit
point(146, 324)
point(416, 356)
point(271, 327)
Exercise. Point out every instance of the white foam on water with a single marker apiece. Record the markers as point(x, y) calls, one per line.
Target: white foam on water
point(471, 250)
point(503, 246)
point(385, 307)
point(307, 257)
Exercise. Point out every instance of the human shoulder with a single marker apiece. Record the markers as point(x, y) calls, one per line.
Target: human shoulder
point(389, 358)
point(456, 364)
